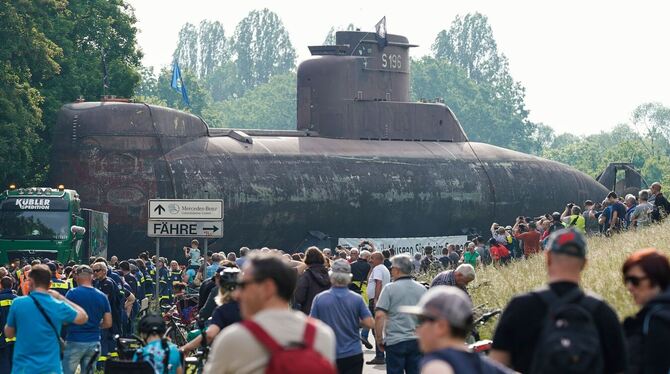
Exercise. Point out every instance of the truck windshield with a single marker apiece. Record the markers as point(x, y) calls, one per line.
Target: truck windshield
point(30, 225)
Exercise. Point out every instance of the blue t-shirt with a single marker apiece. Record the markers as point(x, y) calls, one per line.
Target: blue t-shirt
point(211, 270)
point(342, 310)
point(36, 348)
point(96, 304)
point(155, 354)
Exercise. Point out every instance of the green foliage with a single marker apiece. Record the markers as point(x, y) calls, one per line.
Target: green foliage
point(261, 48)
point(197, 94)
point(26, 57)
point(591, 154)
point(484, 116)
point(51, 54)
point(269, 106)
point(202, 50)
point(470, 44)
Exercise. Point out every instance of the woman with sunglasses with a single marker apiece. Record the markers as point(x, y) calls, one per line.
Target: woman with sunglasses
point(646, 274)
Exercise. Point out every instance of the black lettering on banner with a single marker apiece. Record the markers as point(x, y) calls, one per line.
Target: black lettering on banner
point(193, 229)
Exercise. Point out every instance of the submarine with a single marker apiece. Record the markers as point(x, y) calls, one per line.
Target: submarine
point(363, 161)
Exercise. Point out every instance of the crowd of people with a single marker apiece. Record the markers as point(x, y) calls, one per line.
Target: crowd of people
point(270, 311)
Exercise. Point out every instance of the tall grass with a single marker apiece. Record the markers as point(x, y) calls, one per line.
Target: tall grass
point(496, 286)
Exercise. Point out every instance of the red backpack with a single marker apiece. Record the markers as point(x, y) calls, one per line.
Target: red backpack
point(302, 359)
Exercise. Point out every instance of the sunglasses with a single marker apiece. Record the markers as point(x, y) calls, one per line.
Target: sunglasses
point(242, 284)
point(633, 280)
point(424, 319)
point(97, 270)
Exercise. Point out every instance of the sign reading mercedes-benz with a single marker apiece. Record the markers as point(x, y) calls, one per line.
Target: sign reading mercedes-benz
point(180, 228)
point(186, 209)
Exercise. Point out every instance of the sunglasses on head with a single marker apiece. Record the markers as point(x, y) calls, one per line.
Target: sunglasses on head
point(634, 280)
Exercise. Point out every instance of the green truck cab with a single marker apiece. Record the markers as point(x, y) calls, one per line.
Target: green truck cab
point(44, 222)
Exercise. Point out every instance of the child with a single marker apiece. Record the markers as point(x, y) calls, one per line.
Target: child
point(161, 354)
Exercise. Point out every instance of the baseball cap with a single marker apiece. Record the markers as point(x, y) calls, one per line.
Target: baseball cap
point(508, 227)
point(341, 266)
point(81, 269)
point(444, 302)
point(567, 241)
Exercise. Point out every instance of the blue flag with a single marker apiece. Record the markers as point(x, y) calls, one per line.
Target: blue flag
point(178, 83)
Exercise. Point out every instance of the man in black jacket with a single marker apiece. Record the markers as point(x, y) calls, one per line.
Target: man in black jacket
point(660, 203)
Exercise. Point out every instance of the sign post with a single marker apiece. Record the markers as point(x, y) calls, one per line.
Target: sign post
point(183, 218)
point(158, 288)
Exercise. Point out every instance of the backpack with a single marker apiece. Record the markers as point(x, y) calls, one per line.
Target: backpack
point(569, 341)
point(298, 359)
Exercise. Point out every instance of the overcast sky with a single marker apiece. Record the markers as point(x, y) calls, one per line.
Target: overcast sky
point(585, 64)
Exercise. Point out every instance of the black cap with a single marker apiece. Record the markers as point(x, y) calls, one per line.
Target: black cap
point(152, 324)
point(568, 242)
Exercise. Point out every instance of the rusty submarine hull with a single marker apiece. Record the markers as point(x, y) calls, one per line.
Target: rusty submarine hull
point(364, 161)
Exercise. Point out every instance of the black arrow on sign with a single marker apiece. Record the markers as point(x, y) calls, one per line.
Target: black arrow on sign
point(212, 229)
point(159, 209)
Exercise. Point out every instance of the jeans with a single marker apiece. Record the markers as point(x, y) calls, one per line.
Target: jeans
point(80, 354)
point(403, 357)
point(371, 306)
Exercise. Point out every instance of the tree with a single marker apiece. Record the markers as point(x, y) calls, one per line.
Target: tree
point(202, 50)
point(653, 121)
point(261, 48)
point(269, 106)
point(197, 94)
point(26, 57)
point(470, 44)
point(484, 116)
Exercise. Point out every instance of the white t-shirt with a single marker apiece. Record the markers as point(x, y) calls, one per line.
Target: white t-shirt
point(380, 272)
point(236, 351)
point(194, 255)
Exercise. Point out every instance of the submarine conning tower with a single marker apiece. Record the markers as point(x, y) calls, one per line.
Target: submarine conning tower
point(359, 89)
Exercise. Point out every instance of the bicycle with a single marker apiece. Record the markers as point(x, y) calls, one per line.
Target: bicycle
point(482, 346)
point(176, 328)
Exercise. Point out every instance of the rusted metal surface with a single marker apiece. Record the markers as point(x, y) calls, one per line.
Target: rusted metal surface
point(278, 185)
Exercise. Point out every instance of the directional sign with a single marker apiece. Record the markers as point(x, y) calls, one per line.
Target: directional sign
point(186, 209)
point(177, 228)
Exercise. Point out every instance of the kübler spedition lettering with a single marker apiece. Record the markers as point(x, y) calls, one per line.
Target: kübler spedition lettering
point(166, 228)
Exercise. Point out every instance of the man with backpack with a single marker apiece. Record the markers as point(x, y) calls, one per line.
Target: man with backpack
point(559, 328)
point(272, 338)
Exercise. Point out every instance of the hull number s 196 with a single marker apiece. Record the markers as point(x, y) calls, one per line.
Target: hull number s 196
point(391, 61)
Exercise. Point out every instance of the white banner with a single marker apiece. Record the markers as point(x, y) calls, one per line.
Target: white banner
point(407, 245)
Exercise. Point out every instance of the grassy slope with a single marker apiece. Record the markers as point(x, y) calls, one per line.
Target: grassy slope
point(496, 286)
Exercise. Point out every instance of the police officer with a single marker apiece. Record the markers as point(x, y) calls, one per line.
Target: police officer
point(165, 283)
point(57, 284)
point(7, 295)
point(149, 274)
point(175, 273)
point(107, 286)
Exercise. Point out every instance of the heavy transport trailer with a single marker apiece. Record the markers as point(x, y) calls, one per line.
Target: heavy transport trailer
point(44, 222)
point(363, 161)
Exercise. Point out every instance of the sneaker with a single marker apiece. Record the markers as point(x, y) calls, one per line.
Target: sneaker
point(366, 343)
point(376, 361)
